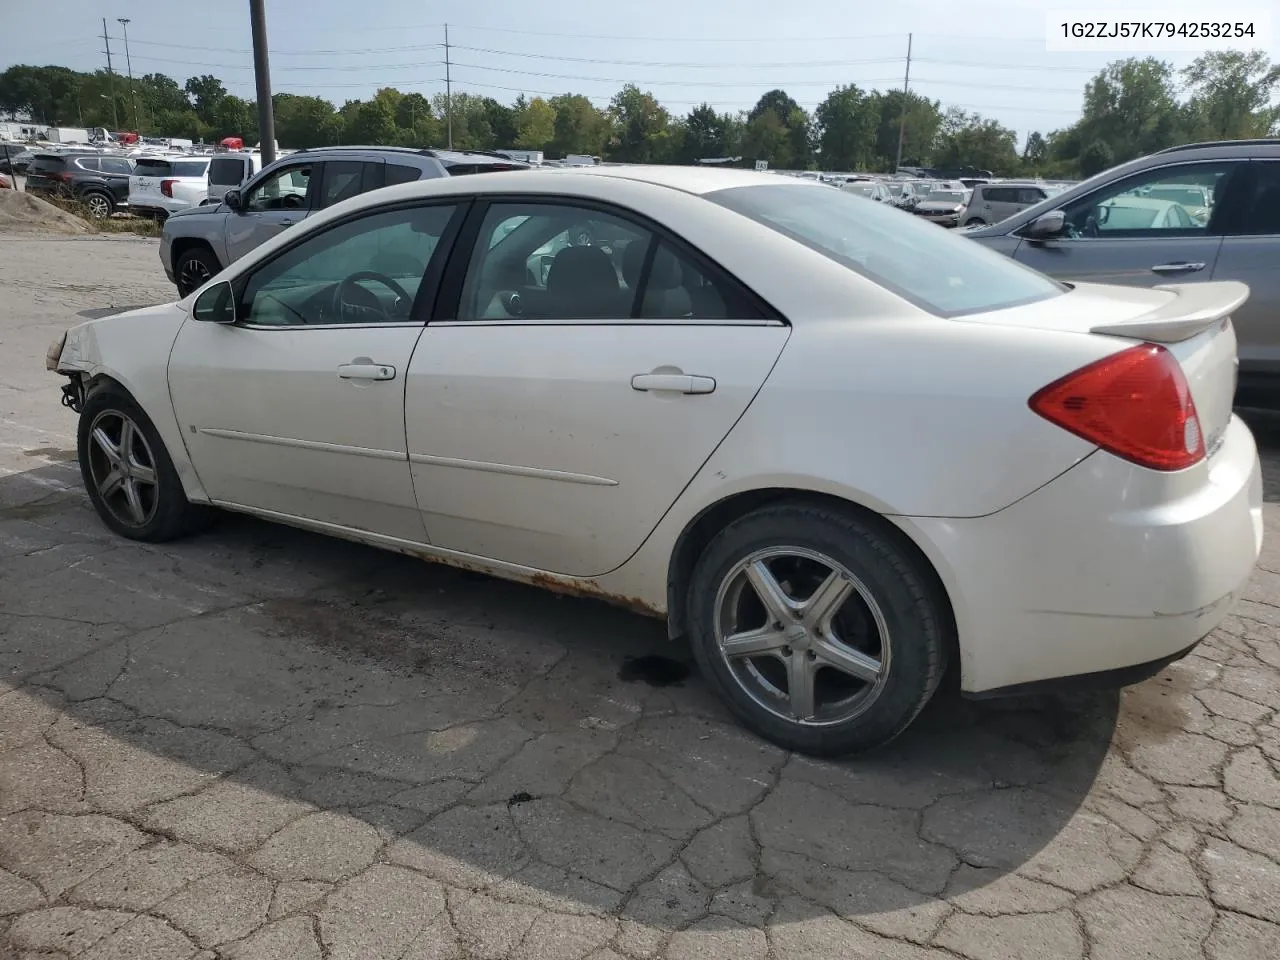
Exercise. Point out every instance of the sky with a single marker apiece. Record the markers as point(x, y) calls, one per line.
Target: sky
point(985, 56)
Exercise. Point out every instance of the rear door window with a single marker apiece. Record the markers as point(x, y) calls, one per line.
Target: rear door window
point(89, 164)
point(152, 167)
point(116, 165)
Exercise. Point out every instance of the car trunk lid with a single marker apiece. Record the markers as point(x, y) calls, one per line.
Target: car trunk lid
point(1190, 320)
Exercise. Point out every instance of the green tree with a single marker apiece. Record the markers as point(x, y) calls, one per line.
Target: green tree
point(579, 126)
point(971, 140)
point(767, 138)
point(1132, 107)
point(303, 121)
point(536, 125)
point(846, 129)
point(639, 123)
point(1231, 93)
point(1036, 152)
point(1096, 157)
point(705, 134)
point(206, 92)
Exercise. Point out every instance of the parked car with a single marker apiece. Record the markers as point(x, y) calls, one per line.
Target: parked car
point(993, 202)
point(905, 193)
point(15, 159)
point(396, 371)
point(161, 186)
point(198, 242)
point(943, 206)
point(1233, 194)
point(99, 181)
point(871, 189)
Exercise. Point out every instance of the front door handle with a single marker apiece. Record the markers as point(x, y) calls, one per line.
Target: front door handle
point(366, 370)
point(1184, 267)
point(673, 382)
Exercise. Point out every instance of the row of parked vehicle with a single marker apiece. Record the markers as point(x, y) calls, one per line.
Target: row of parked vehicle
point(955, 203)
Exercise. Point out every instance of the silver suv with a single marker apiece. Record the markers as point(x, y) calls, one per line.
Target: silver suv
point(200, 241)
point(1203, 211)
point(993, 202)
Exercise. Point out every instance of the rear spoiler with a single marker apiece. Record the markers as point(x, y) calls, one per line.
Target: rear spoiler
point(1196, 307)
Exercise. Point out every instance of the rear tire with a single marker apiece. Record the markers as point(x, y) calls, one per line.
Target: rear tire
point(128, 473)
point(822, 683)
point(99, 204)
point(193, 267)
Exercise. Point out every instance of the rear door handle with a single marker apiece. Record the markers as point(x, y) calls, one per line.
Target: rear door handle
point(673, 382)
point(1184, 267)
point(367, 371)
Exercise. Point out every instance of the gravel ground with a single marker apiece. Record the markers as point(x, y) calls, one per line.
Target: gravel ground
point(260, 743)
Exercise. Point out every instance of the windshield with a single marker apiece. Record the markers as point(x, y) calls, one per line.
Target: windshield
point(935, 269)
point(946, 196)
point(896, 189)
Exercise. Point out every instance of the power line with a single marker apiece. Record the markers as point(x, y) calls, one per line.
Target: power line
point(672, 83)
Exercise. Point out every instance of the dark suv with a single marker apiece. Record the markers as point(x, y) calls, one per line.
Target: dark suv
point(1203, 211)
point(198, 242)
point(99, 181)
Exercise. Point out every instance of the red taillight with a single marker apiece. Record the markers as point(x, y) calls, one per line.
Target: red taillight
point(1135, 404)
point(166, 187)
point(62, 177)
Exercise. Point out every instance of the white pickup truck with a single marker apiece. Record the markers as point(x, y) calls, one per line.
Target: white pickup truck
point(164, 185)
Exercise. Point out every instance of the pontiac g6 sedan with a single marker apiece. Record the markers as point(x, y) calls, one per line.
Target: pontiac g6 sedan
point(837, 448)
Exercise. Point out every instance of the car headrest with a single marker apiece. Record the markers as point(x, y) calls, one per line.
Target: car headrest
point(581, 268)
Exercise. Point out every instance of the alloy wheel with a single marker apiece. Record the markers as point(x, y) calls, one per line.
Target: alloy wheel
point(123, 468)
point(192, 274)
point(802, 636)
point(98, 206)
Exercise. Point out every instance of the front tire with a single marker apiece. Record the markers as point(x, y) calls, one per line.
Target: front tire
point(822, 629)
point(193, 267)
point(128, 473)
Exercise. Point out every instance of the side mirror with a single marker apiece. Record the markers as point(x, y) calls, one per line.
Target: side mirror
point(216, 305)
point(232, 199)
point(1047, 225)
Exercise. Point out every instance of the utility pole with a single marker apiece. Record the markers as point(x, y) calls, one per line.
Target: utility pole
point(124, 22)
point(262, 74)
point(902, 123)
point(111, 77)
point(448, 88)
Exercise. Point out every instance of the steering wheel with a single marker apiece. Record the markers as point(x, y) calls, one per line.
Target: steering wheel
point(351, 284)
point(292, 201)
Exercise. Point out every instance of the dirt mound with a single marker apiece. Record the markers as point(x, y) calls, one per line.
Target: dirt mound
point(23, 213)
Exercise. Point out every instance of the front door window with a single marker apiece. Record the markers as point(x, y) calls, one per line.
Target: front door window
point(286, 189)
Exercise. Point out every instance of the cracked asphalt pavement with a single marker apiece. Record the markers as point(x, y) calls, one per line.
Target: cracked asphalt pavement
point(259, 743)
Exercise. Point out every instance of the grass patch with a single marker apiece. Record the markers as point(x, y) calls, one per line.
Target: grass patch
point(119, 223)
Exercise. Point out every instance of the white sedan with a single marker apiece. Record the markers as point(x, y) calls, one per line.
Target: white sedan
point(837, 448)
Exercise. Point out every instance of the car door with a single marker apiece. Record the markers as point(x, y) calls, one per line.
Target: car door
point(297, 407)
point(275, 201)
point(117, 171)
point(1137, 246)
point(552, 419)
point(1251, 253)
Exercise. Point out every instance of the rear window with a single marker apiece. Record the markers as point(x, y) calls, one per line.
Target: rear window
point(189, 168)
point(151, 167)
point(226, 170)
point(935, 269)
point(399, 173)
point(46, 163)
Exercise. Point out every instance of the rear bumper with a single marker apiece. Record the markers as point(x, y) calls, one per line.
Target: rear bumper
point(1106, 568)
